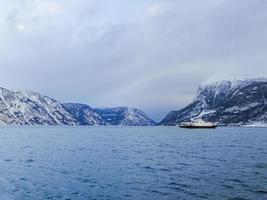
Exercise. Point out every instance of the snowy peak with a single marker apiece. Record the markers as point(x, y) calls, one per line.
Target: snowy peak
point(235, 102)
point(233, 82)
point(212, 93)
point(229, 84)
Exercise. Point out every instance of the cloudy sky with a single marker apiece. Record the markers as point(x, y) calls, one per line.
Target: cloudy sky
point(150, 54)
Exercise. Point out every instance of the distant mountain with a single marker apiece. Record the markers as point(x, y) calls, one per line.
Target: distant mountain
point(30, 108)
point(227, 102)
point(125, 116)
point(84, 114)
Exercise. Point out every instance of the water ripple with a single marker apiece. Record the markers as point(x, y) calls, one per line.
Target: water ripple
point(158, 163)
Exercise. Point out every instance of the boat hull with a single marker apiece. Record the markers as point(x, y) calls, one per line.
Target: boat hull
point(198, 127)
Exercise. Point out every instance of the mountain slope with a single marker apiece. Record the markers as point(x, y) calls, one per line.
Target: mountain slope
point(125, 116)
point(84, 114)
point(30, 108)
point(228, 102)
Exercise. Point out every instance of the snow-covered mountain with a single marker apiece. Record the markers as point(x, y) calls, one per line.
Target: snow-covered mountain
point(124, 116)
point(30, 108)
point(227, 102)
point(84, 114)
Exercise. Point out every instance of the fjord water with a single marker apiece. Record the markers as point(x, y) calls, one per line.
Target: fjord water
point(132, 163)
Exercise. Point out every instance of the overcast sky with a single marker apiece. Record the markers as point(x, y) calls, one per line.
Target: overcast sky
point(150, 54)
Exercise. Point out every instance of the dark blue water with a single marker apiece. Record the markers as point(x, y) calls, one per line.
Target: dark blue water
point(132, 163)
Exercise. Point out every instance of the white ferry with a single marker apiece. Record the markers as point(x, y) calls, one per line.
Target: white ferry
point(197, 124)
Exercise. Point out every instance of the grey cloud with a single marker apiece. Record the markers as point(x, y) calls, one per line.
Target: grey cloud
point(147, 54)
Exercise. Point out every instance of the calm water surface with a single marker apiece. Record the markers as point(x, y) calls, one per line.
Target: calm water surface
point(154, 163)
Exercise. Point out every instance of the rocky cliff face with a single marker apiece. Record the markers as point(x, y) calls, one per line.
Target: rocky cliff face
point(229, 102)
